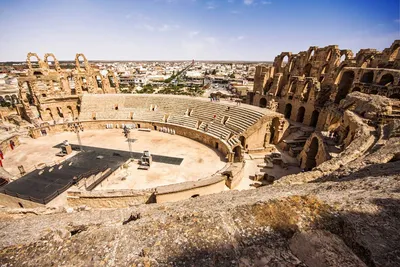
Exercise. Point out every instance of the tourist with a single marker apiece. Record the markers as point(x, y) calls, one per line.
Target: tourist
point(12, 144)
point(1, 155)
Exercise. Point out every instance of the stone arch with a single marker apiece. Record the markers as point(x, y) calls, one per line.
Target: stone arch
point(70, 112)
point(367, 77)
point(60, 112)
point(312, 152)
point(274, 129)
point(237, 154)
point(288, 111)
point(285, 60)
point(29, 61)
point(7, 98)
point(311, 52)
point(300, 114)
point(2, 100)
point(55, 65)
point(386, 79)
point(242, 140)
point(85, 63)
point(344, 85)
point(356, 89)
point(263, 102)
point(49, 113)
point(307, 70)
point(314, 118)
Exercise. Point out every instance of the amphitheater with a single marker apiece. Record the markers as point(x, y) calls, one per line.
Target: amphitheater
point(305, 174)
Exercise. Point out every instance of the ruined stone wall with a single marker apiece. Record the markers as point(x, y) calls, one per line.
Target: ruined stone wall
point(320, 77)
point(47, 86)
point(121, 198)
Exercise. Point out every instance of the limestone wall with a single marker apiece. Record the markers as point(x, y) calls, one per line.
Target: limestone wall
point(121, 198)
point(176, 192)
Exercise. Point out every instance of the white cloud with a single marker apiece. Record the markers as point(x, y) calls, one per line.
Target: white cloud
point(210, 5)
point(193, 34)
point(234, 12)
point(240, 38)
point(266, 2)
point(397, 20)
point(248, 2)
point(210, 40)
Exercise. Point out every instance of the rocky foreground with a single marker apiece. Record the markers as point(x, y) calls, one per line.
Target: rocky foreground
point(353, 221)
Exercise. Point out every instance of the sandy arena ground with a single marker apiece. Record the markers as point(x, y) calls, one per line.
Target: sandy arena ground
point(199, 161)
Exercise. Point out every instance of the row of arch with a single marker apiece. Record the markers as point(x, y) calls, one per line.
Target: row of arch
point(300, 115)
point(80, 61)
point(347, 80)
point(12, 99)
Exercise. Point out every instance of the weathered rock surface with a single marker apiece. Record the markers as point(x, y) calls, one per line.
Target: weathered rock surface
point(236, 228)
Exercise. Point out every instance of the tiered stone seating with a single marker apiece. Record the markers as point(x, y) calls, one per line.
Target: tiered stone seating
point(183, 120)
point(184, 111)
point(219, 131)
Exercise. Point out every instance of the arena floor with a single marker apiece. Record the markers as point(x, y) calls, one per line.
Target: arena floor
point(199, 161)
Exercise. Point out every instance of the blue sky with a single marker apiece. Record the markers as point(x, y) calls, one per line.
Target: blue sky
point(192, 29)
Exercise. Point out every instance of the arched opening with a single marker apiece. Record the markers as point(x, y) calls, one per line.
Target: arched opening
point(344, 86)
point(342, 58)
point(8, 98)
point(81, 62)
point(263, 102)
point(51, 63)
point(70, 113)
point(285, 61)
point(59, 112)
point(195, 195)
point(293, 87)
point(312, 53)
point(307, 70)
point(367, 77)
point(314, 118)
point(35, 62)
point(322, 75)
point(237, 154)
point(288, 111)
point(306, 91)
point(111, 80)
point(395, 96)
point(386, 80)
point(356, 89)
point(49, 113)
point(311, 155)
point(300, 114)
point(98, 80)
point(274, 129)
point(242, 140)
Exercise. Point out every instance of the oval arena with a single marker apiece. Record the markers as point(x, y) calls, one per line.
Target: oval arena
point(196, 145)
